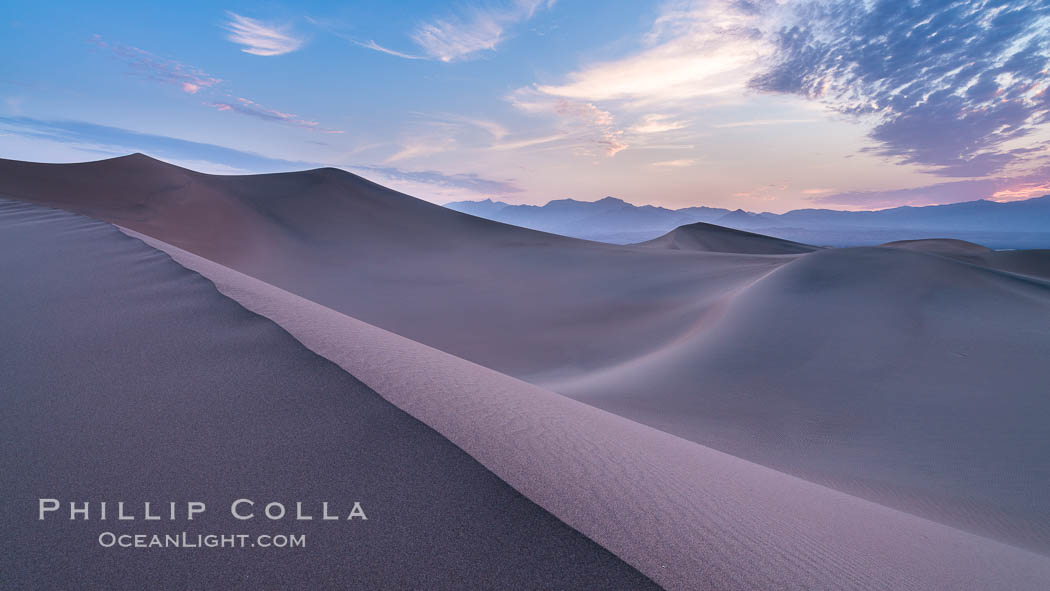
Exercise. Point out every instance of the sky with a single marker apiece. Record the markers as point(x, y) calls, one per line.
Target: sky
point(765, 105)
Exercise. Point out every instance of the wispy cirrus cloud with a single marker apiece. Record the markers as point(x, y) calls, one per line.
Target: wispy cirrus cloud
point(948, 85)
point(436, 186)
point(591, 127)
point(458, 35)
point(450, 120)
point(422, 146)
point(469, 181)
point(259, 38)
point(341, 30)
point(195, 81)
point(532, 142)
point(253, 109)
point(761, 123)
point(473, 30)
point(657, 123)
point(143, 63)
point(377, 47)
point(682, 163)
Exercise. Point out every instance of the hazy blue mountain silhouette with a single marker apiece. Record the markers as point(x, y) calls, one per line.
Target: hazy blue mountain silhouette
point(1017, 224)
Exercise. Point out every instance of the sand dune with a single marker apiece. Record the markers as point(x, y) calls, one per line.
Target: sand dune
point(906, 376)
point(127, 377)
point(686, 515)
point(506, 297)
point(945, 246)
point(712, 238)
point(1024, 262)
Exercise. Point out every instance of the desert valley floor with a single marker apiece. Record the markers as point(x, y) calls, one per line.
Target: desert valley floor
point(712, 409)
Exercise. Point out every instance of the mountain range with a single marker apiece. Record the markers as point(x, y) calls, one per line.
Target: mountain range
point(1017, 224)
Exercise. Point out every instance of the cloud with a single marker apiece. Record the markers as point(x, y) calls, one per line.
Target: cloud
point(462, 35)
point(494, 129)
point(417, 147)
point(530, 142)
point(253, 109)
point(582, 121)
point(947, 84)
point(469, 181)
point(939, 193)
point(143, 63)
point(259, 38)
point(657, 123)
point(761, 123)
point(675, 163)
point(94, 138)
point(377, 47)
point(1002, 188)
point(694, 49)
point(490, 127)
point(339, 29)
point(193, 81)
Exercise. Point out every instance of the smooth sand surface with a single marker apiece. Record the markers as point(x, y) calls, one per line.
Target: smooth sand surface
point(1023, 262)
point(911, 379)
point(127, 377)
point(946, 246)
point(905, 376)
point(712, 238)
point(522, 302)
point(688, 516)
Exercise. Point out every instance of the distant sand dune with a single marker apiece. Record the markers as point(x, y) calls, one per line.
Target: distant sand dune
point(946, 246)
point(712, 238)
point(1025, 262)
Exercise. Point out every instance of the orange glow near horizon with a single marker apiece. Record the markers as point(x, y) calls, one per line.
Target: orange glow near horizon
point(1021, 192)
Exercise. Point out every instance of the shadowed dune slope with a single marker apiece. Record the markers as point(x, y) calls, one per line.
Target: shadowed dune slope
point(712, 238)
point(521, 301)
point(1024, 262)
point(128, 378)
point(904, 376)
point(908, 378)
point(945, 246)
point(688, 516)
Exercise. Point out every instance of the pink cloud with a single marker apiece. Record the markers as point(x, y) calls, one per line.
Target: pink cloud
point(143, 63)
point(251, 108)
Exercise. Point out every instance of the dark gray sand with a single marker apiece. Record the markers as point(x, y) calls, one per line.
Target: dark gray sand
point(126, 377)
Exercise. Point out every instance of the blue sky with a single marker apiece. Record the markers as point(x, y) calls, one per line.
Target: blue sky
point(760, 104)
